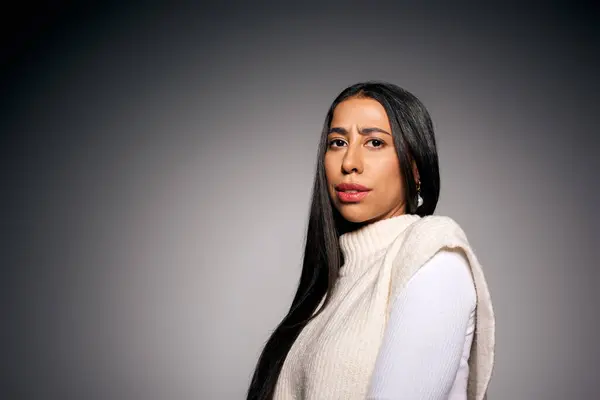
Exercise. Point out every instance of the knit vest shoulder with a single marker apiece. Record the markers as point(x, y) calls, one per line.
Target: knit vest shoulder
point(334, 355)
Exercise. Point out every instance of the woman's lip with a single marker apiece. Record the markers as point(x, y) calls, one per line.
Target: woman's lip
point(351, 186)
point(351, 197)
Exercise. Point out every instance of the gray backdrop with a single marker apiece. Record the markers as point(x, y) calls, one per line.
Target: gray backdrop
point(159, 164)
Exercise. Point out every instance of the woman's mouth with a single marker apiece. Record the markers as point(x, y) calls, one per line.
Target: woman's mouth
point(351, 196)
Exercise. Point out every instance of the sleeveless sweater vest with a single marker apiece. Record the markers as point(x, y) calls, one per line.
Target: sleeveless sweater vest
point(334, 355)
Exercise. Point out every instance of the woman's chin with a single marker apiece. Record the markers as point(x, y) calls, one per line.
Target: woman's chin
point(355, 213)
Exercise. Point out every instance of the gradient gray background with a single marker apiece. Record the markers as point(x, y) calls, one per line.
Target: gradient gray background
point(159, 166)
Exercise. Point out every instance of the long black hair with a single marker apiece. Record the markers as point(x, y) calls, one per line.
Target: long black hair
point(414, 140)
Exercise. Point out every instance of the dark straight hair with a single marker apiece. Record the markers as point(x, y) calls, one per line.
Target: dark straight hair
point(414, 140)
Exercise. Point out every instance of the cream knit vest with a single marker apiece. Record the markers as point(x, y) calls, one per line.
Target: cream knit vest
point(334, 355)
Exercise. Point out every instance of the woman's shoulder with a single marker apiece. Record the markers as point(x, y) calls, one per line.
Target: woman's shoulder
point(431, 233)
point(432, 243)
point(436, 225)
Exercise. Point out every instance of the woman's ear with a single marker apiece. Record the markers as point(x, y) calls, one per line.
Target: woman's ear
point(415, 172)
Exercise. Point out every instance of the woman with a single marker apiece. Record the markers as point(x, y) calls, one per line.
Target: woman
point(392, 302)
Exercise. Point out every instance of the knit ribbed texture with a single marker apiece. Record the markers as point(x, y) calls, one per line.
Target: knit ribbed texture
point(334, 355)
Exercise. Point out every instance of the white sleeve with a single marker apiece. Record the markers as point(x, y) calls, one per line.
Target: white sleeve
point(424, 339)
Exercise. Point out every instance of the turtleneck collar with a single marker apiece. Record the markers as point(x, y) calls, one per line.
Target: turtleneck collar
point(368, 240)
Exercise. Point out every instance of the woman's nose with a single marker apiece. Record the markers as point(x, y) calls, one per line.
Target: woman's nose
point(352, 161)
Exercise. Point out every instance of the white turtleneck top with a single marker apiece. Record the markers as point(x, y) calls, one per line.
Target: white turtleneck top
point(425, 349)
point(410, 317)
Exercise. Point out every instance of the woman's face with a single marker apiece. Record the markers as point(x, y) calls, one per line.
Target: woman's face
point(361, 151)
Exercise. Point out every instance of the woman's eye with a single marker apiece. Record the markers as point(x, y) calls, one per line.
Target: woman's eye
point(376, 142)
point(336, 143)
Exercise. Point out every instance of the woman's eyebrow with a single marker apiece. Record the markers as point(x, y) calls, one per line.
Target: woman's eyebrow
point(366, 131)
point(341, 131)
point(362, 131)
